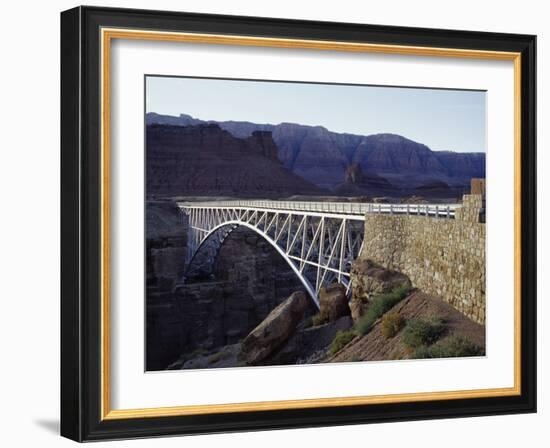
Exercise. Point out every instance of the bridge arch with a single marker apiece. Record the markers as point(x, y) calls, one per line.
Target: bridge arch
point(208, 249)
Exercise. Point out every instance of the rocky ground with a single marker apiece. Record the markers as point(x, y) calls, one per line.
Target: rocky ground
point(407, 323)
point(284, 337)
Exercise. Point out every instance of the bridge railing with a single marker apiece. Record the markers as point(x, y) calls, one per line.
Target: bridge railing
point(348, 208)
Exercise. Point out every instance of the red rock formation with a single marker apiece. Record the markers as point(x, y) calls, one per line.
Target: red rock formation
point(206, 160)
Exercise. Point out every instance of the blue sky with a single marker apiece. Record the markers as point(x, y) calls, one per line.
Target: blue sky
point(453, 120)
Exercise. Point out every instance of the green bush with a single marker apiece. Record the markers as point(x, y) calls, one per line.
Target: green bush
point(450, 347)
point(392, 323)
point(420, 332)
point(341, 339)
point(378, 306)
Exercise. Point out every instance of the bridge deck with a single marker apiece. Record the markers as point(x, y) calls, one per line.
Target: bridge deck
point(349, 210)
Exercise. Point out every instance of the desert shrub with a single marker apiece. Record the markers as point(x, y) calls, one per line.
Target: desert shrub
point(420, 332)
point(450, 347)
point(341, 339)
point(378, 306)
point(392, 323)
point(317, 320)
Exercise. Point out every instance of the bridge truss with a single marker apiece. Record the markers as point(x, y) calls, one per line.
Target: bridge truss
point(318, 242)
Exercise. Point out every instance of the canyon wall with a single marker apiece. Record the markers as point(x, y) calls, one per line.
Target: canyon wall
point(249, 279)
point(320, 156)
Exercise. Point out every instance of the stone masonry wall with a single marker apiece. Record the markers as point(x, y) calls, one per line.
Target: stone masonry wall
point(472, 210)
point(444, 257)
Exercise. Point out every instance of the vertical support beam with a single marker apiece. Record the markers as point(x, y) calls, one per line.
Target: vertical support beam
point(303, 249)
point(289, 234)
point(334, 247)
point(320, 257)
point(342, 246)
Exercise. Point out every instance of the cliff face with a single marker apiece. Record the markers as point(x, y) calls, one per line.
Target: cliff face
point(463, 165)
point(207, 160)
point(389, 153)
point(166, 249)
point(321, 156)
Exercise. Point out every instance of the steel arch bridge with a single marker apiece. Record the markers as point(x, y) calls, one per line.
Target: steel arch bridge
point(319, 240)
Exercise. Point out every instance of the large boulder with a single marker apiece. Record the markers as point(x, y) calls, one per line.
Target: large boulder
point(333, 302)
point(368, 280)
point(275, 329)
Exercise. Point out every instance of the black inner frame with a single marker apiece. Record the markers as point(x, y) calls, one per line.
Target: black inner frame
point(80, 224)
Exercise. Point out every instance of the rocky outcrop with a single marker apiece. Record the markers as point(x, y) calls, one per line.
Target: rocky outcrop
point(166, 244)
point(262, 143)
point(249, 279)
point(321, 156)
point(166, 249)
point(275, 329)
point(333, 302)
point(357, 182)
point(207, 160)
point(370, 279)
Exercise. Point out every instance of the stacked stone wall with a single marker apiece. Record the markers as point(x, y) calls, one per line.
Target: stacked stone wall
point(472, 210)
point(443, 257)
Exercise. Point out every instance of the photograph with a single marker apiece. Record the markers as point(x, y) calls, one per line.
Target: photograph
point(298, 223)
point(274, 222)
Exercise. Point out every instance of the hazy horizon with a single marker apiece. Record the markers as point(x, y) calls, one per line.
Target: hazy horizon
point(443, 120)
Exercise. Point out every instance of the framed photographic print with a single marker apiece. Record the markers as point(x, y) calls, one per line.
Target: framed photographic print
point(275, 224)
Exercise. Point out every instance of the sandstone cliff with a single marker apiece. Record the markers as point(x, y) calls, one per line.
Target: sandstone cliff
point(207, 160)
